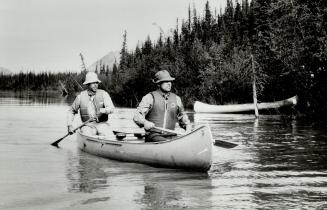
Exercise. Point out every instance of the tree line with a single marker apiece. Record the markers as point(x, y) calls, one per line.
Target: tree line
point(210, 57)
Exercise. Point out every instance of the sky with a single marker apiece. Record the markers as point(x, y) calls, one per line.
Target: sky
point(48, 35)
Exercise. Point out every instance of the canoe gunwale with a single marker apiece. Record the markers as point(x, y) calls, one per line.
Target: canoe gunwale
point(165, 154)
point(116, 141)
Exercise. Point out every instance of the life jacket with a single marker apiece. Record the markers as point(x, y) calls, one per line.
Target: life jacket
point(164, 111)
point(98, 103)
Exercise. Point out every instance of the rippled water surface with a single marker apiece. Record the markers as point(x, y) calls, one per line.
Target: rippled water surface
point(279, 163)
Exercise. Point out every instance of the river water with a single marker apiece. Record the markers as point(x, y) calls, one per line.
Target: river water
point(279, 163)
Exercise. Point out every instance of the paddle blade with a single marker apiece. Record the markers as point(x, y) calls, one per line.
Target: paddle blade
point(224, 144)
point(59, 140)
point(55, 144)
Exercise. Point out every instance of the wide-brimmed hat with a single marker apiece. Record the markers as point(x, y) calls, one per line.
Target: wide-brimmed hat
point(91, 77)
point(162, 76)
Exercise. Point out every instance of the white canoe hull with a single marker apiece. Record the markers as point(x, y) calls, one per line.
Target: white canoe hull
point(239, 108)
point(192, 151)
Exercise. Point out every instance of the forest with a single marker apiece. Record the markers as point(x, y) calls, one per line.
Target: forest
point(216, 55)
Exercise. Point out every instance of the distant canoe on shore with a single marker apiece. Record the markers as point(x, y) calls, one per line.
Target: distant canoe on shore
point(240, 108)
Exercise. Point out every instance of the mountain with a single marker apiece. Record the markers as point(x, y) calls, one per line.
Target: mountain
point(108, 59)
point(4, 70)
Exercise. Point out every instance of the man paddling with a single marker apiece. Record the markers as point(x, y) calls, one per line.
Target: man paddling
point(161, 108)
point(93, 103)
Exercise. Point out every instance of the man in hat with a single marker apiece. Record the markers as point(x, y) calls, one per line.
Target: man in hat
point(94, 104)
point(161, 108)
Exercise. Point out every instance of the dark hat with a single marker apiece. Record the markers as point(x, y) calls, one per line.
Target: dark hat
point(162, 76)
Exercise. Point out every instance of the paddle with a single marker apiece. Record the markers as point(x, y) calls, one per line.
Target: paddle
point(219, 143)
point(59, 140)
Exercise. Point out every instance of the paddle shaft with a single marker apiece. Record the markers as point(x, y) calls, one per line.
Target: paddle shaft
point(59, 140)
point(220, 143)
point(170, 131)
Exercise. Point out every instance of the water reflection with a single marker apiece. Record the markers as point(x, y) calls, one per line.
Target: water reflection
point(148, 187)
point(279, 162)
point(86, 173)
point(176, 191)
point(33, 97)
point(287, 147)
point(275, 142)
point(214, 118)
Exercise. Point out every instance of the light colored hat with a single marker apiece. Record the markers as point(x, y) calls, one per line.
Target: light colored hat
point(162, 76)
point(91, 77)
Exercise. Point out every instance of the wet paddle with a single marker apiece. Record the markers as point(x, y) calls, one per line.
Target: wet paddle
point(55, 144)
point(218, 143)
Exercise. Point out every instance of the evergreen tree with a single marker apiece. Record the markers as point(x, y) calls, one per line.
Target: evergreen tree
point(209, 57)
point(123, 53)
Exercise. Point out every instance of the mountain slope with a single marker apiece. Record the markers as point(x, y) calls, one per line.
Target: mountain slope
point(108, 59)
point(4, 70)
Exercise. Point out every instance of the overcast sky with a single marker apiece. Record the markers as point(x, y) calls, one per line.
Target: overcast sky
point(48, 35)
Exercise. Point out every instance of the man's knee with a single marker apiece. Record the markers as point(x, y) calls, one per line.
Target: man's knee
point(103, 129)
point(155, 138)
point(86, 130)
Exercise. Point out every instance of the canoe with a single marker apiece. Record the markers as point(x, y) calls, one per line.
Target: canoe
point(240, 108)
point(192, 151)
